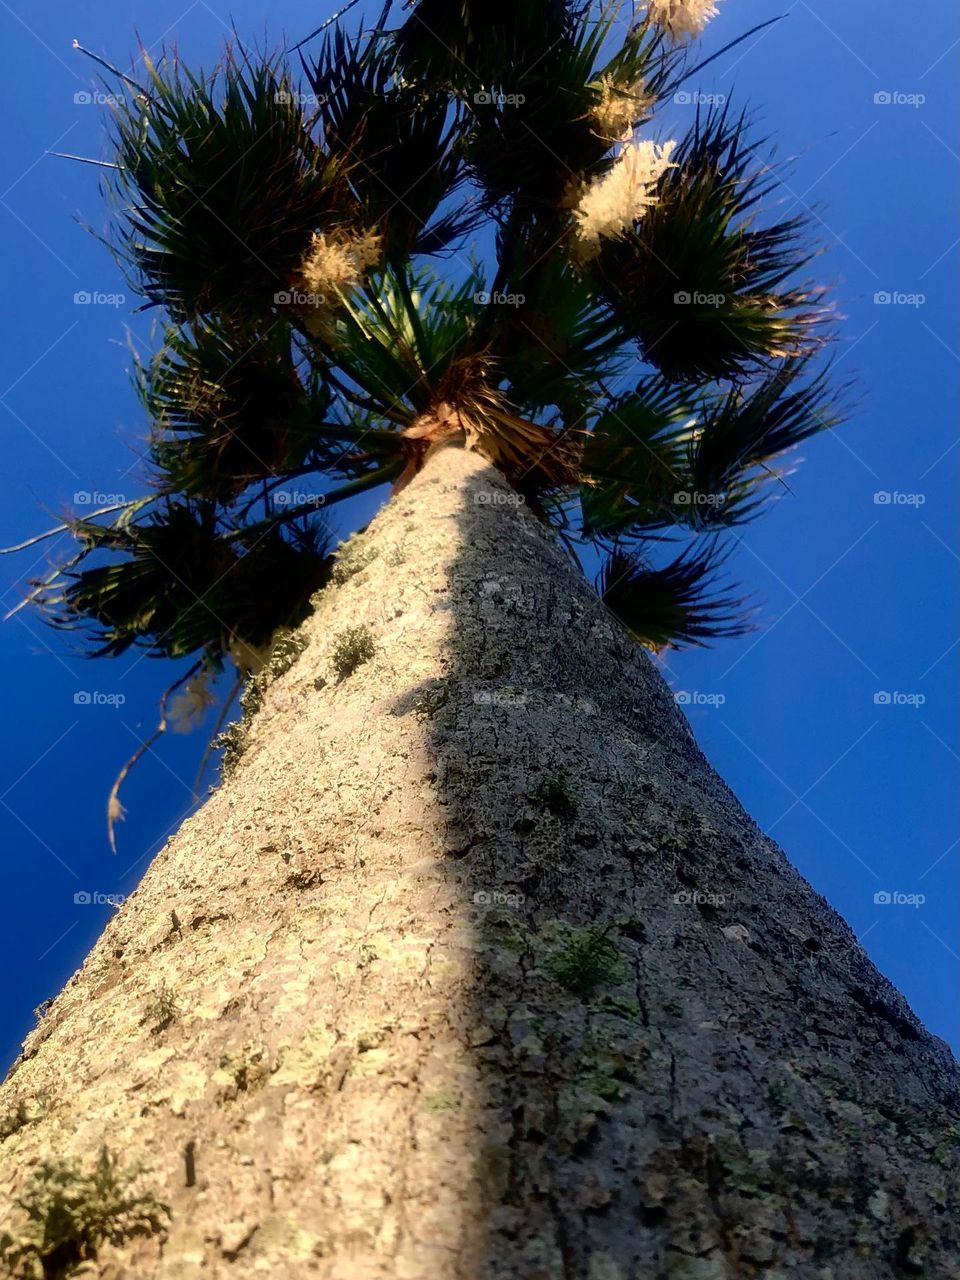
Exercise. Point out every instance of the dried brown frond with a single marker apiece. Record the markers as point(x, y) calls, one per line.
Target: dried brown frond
point(468, 404)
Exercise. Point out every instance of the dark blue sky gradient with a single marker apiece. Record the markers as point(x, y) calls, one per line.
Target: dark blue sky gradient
point(856, 597)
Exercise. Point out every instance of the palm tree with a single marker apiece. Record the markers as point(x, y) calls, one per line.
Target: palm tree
point(471, 966)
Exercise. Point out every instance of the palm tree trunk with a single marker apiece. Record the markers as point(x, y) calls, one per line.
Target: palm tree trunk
point(474, 968)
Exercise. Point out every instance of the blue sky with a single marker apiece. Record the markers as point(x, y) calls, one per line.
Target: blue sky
point(834, 723)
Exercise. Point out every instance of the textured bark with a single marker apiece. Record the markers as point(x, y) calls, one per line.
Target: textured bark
point(399, 1052)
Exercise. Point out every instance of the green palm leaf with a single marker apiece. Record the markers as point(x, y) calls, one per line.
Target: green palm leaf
point(228, 408)
point(675, 605)
point(220, 185)
point(399, 144)
point(698, 282)
point(183, 585)
point(666, 455)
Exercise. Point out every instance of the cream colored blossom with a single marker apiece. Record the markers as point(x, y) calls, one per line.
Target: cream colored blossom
point(682, 19)
point(334, 262)
point(619, 107)
point(611, 204)
point(337, 261)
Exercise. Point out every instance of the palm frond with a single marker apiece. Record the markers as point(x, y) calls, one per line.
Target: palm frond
point(533, 131)
point(463, 45)
point(669, 454)
point(555, 343)
point(398, 143)
point(700, 285)
point(673, 606)
point(742, 436)
point(228, 408)
point(182, 586)
point(219, 186)
point(284, 233)
point(635, 462)
point(645, 58)
point(396, 337)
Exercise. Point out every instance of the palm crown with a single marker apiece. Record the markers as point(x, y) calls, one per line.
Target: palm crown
point(459, 224)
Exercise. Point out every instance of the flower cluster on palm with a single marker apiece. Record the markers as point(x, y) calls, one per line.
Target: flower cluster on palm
point(461, 223)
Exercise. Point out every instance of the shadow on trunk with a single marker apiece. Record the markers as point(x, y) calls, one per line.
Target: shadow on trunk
point(680, 1062)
